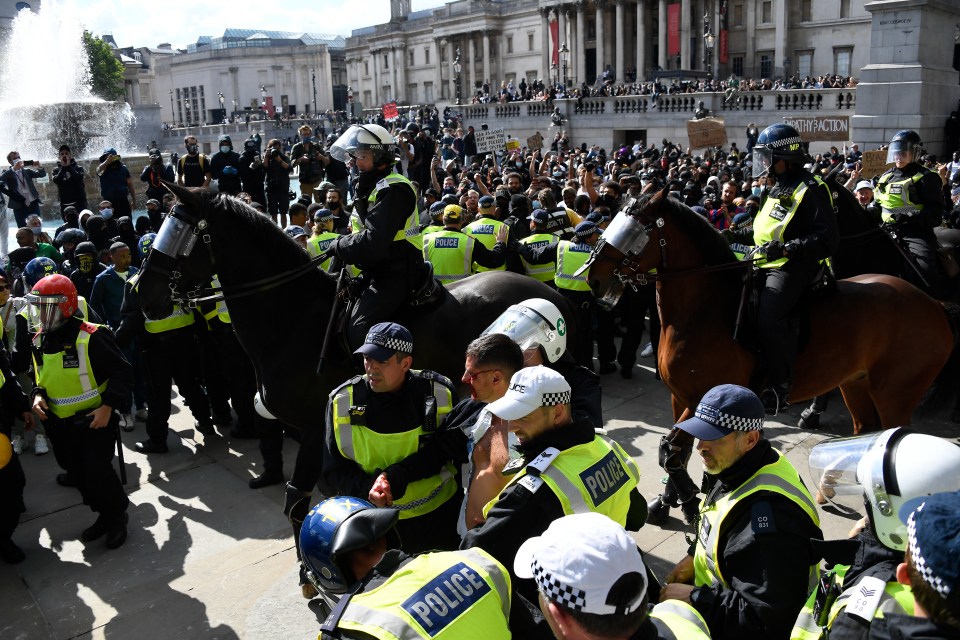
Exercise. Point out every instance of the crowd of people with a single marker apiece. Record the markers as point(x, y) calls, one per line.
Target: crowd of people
point(508, 511)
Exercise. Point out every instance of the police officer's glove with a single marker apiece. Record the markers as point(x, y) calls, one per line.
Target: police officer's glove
point(901, 217)
point(296, 504)
point(399, 481)
point(774, 250)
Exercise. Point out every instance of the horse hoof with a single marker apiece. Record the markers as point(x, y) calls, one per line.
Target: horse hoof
point(657, 511)
point(809, 419)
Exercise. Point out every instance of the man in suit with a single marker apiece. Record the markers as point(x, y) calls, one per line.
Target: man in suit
point(17, 184)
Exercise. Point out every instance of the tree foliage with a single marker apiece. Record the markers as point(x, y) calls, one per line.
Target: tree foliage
point(106, 71)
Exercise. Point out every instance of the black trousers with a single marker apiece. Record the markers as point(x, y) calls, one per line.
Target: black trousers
point(167, 358)
point(380, 301)
point(923, 248)
point(88, 455)
point(583, 304)
point(213, 379)
point(781, 292)
point(12, 482)
point(434, 531)
point(270, 433)
point(278, 201)
point(237, 370)
point(634, 306)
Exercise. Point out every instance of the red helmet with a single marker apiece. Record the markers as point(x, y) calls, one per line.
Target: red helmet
point(55, 298)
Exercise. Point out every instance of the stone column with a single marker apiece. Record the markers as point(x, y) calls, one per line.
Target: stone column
point(472, 67)
point(621, 34)
point(486, 59)
point(438, 83)
point(780, 40)
point(662, 35)
point(749, 55)
point(601, 53)
point(562, 18)
point(581, 74)
point(642, 27)
point(376, 78)
point(685, 61)
point(544, 43)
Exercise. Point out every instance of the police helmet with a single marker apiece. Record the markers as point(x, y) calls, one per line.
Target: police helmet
point(36, 269)
point(534, 323)
point(335, 527)
point(372, 137)
point(143, 247)
point(53, 300)
point(889, 473)
point(70, 236)
point(436, 209)
point(904, 142)
point(777, 142)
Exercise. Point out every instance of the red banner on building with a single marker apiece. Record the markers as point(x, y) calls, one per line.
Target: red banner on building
point(555, 36)
point(390, 111)
point(673, 29)
point(724, 44)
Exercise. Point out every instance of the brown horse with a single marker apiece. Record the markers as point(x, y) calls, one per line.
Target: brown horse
point(863, 338)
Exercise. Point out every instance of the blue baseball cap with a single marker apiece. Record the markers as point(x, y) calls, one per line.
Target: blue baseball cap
point(933, 538)
point(294, 231)
point(724, 409)
point(385, 339)
point(541, 216)
point(322, 215)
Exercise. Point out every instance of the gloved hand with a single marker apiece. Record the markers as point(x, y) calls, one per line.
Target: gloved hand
point(774, 250)
point(230, 171)
point(901, 217)
point(296, 504)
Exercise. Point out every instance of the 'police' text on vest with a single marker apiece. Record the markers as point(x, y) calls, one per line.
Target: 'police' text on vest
point(445, 598)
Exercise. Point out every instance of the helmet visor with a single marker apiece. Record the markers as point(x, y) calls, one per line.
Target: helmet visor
point(762, 159)
point(901, 150)
point(524, 326)
point(839, 466)
point(176, 237)
point(43, 312)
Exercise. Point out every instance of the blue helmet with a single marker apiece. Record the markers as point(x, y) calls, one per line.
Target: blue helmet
point(777, 142)
point(145, 243)
point(335, 527)
point(37, 269)
point(74, 236)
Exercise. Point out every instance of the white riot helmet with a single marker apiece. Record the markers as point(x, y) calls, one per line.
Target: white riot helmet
point(890, 472)
point(366, 136)
point(534, 323)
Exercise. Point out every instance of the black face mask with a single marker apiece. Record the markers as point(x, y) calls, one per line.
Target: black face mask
point(333, 206)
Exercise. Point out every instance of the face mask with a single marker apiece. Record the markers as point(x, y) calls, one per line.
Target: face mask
point(106, 213)
point(85, 262)
point(449, 190)
point(518, 165)
point(333, 206)
point(36, 230)
point(755, 191)
point(307, 139)
point(224, 148)
point(192, 148)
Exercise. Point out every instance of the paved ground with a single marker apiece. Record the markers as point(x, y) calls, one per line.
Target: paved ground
point(209, 558)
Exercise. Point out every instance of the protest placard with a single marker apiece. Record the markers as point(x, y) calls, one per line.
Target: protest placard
point(706, 132)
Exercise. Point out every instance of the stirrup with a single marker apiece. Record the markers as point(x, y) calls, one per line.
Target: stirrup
point(773, 401)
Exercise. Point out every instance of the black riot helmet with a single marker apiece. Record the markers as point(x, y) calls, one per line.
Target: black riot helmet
point(777, 142)
point(905, 141)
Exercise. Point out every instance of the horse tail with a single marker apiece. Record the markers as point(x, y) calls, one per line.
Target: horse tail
point(943, 395)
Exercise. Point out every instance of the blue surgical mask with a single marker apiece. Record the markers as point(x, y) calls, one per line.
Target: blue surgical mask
point(307, 138)
point(36, 230)
point(106, 213)
point(755, 191)
point(224, 148)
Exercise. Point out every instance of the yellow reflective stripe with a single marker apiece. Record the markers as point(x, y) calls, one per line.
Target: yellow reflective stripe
point(83, 340)
point(396, 626)
point(496, 574)
point(343, 430)
point(687, 615)
point(567, 265)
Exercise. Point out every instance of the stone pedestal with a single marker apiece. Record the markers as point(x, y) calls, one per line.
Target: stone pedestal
point(909, 83)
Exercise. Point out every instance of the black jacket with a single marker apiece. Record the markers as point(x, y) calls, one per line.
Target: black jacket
point(70, 187)
point(769, 572)
point(226, 182)
point(899, 627)
point(814, 224)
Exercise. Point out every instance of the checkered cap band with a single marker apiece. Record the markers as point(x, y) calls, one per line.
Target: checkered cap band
point(785, 142)
point(713, 415)
point(551, 399)
point(940, 585)
point(567, 596)
point(389, 342)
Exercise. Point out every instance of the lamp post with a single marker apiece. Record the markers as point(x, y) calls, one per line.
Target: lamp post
point(708, 41)
point(173, 114)
point(223, 114)
point(456, 70)
point(564, 55)
point(350, 102)
point(313, 78)
point(263, 99)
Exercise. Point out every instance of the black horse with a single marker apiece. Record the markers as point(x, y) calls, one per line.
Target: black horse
point(282, 326)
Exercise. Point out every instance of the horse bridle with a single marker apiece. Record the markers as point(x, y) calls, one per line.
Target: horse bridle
point(201, 295)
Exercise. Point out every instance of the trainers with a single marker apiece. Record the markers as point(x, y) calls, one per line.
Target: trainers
point(141, 415)
point(127, 422)
point(647, 350)
point(40, 445)
point(17, 443)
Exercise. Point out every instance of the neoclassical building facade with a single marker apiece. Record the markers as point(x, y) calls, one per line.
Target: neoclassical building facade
point(412, 59)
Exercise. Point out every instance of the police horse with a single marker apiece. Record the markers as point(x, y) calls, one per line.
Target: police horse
point(280, 304)
point(862, 338)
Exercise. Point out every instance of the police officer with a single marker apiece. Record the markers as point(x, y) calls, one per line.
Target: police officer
point(81, 375)
point(752, 565)
point(13, 403)
point(486, 229)
point(566, 468)
point(909, 198)
point(378, 443)
point(885, 472)
point(388, 248)
point(351, 550)
point(323, 235)
point(436, 219)
point(593, 583)
point(168, 354)
point(795, 232)
point(455, 255)
point(540, 237)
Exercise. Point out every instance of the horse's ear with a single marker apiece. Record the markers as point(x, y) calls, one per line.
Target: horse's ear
point(659, 196)
point(188, 197)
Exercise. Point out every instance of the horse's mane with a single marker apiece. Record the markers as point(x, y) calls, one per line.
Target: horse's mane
point(713, 246)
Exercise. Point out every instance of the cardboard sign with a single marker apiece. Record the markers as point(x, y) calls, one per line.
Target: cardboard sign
point(874, 163)
point(513, 145)
point(535, 142)
point(492, 140)
point(390, 111)
point(706, 132)
point(826, 128)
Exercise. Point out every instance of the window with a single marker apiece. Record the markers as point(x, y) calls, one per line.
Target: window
point(591, 29)
point(844, 8)
point(737, 15)
point(804, 63)
point(766, 12)
point(509, 44)
point(766, 65)
point(530, 46)
point(367, 97)
point(443, 53)
point(366, 68)
point(426, 55)
point(412, 93)
point(386, 61)
point(806, 10)
point(410, 57)
point(841, 61)
point(738, 65)
point(137, 56)
point(427, 92)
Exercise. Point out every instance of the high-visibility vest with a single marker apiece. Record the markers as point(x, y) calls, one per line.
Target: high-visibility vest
point(570, 257)
point(433, 228)
point(547, 271)
point(70, 389)
point(411, 226)
point(449, 594)
point(451, 253)
point(872, 599)
point(177, 319)
point(677, 620)
point(772, 221)
point(222, 312)
point(485, 230)
point(778, 477)
point(318, 244)
point(893, 196)
point(373, 450)
point(597, 476)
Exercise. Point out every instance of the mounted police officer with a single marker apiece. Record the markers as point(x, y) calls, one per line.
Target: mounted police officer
point(454, 254)
point(795, 232)
point(909, 198)
point(388, 248)
point(886, 474)
point(351, 551)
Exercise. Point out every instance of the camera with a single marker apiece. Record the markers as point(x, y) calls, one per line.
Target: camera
point(274, 153)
